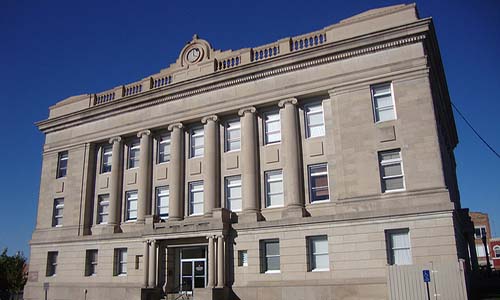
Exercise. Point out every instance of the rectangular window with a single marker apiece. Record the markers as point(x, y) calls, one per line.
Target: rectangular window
point(270, 256)
point(383, 102)
point(315, 123)
point(120, 262)
point(134, 149)
point(272, 128)
point(102, 209)
point(197, 142)
point(131, 206)
point(57, 213)
point(233, 135)
point(62, 164)
point(164, 149)
point(391, 170)
point(106, 152)
point(233, 193)
point(480, 250)
point(479, 232)
point(398, 245)
point(162, 201)
point(196, 198)
point(318, 183)
point(91, 262)
point(51, 263)
point(242, 258)
point(318, 253)
point(274, 188)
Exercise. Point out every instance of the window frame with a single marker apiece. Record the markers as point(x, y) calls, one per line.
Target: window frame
point(495, 249)
point(373, 96)
point(129, 199)
point(192, 191)
point(62, 171)
point(310, 177)
point(120, 262)
point(242, 258)
point(306, 119)
point(51, 267)
point(390, 249)
point(265, 126)
point(57, 220)
point(227, 187)
point(264, 256)
point(382, 163)
point(227, 130)
point(267, 186)
point(134, 144)
point(102, 198)
point(312, 264)
point(164, 139)
point(482, 231)
point(91, 261)
point(158, 208)
point(104, 150)
point(192, 145)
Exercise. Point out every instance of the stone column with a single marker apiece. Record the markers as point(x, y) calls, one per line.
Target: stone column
point(290, 144)
point(114, 182)
point(146, 263)
point(211, 261)
point(152, 264)
point(249, 160)
point(211, 164)
point(144, 181)
point(220, 262)
point(175, 172)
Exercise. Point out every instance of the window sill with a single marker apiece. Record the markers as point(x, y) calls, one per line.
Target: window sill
point(122, 275)
point(232, 151)
point(320, 270)
point(385, 121)
point(394, 191)
point(314, 137)
point(131, 221)
point(320, 201)
point(272, 143)
point(163, 163)
point(274, 206)
point(272, 272)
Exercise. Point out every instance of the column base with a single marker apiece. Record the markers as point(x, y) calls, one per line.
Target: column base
point(249, 217)
point(294, 212)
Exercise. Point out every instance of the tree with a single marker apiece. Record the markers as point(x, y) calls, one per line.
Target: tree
point(13, 274)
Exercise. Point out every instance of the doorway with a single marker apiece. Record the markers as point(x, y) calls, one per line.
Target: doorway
point(193, 269)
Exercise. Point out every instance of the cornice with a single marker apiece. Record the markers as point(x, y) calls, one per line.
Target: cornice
point(152, 98)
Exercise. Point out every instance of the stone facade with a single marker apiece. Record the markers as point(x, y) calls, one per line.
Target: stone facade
point(300, 104)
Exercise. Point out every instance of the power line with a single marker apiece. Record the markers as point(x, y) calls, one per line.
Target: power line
point(477, 133)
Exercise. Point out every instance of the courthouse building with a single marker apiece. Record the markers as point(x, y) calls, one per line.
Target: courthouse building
point(305, 168)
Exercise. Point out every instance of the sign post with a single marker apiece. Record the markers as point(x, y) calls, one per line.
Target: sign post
point(427, 278)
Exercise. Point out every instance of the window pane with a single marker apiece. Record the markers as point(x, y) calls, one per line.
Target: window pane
point(391, 170)
point(198, 208)
point(273, 137)
point(320, 262)
point(315, 119)
point(381, 89)
point(273, 263)
point(385, 115)
point(233, 145)
point(273, 126)
point(383, 101)
point(272, 248)
point(235, 205)
point(402, 257)
point(388, 155)
point(320, 245)
point(393, 184)
point(164, 149)
point(315, 131)
point(275, 187)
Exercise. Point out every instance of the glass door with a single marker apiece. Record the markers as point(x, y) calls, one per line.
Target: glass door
point(193, 268)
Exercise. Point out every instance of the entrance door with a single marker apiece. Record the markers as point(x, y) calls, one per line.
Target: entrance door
point(193, 270)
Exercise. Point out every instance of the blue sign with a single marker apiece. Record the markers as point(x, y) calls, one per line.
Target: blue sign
point(427, 275)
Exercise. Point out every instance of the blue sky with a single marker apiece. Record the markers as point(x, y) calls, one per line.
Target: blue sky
point(50, 50)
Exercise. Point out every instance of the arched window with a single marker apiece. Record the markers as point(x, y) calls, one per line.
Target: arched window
point(496, 249)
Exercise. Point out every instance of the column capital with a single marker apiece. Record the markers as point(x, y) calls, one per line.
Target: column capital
point(284, 102)
point(143, 132)
point(115, 139)
point(250, 109)
point(210, 237)
point(213, 118)
point(175, 125)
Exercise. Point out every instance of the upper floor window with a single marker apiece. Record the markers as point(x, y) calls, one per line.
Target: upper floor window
point(496, 250)
point(272, 128)
point(242, 258)
point(131, 206)
point(270, 256)
point(162, 202)
point(315, 123)
point(233, 193)
point(196, 198)
point(233, 135)
point(383, 102)
point(274, 188)
point(91, 262)
point(62, 164)
point(134, 149)
point(107, 152)
point(391, 170)
point(318, 183)
point(120, 262)
point(51, 263)
point(102, 209)
point(479, 232)
point(57, 212)
point(197, 141)
point(398, 247)
point(164, 149)
point(318, 253)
